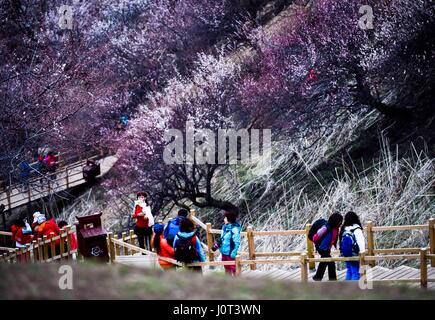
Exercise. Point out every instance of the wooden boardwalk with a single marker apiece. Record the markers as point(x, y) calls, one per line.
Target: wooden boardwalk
point(63, 179)
point(377, 273)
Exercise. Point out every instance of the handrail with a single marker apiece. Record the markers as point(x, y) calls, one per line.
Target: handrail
point(369, 229)
point(138, 249)
point(56, 183)
point(43, 250)
point(304, 258)
point(400, 228)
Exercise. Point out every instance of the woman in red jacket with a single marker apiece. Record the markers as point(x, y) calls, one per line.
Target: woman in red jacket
point(162, 247)
point(144, 220)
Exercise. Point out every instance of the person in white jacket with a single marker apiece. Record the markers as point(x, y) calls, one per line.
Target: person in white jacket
point(352, 231)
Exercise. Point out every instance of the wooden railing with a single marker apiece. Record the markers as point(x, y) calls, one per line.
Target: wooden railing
point(39, 251)
point(42, 250)
point(304, 259)
point(62, 179)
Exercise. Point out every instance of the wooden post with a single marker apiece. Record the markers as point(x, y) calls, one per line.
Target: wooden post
point(432, 240)
point(131, 234)
point(68, 241)
point(192, 214)
point(238, 266)
point(40, 251)
point(111, 248)
point(8, 195)
point(28, 253)
point(125, 250)
point(117, 251)
point(370, 242)
point(310, 247)
point(362, 264)
point(45, 246)
point(423, 268)
point(67, 177)
point(15, 257)
point(52, 246)
point(251, 246)
point(22, 256)
point(35, 251)
point(304, 268)
point(210, 242)
point(62, 243)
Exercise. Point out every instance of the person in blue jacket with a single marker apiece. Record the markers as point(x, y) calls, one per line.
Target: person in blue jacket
point(230, 240)
point(187, 245)
point(173, 226)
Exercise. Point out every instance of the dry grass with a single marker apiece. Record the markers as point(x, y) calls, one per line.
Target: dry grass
point(390, 191)
point(38, 281)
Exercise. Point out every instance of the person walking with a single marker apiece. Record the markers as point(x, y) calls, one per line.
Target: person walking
point(352, 242)
point(229, 242)
point(73, 245)
point(144, 220)
point(173, 226)
point(187, 246)
point(326, 237)
point(162, 247)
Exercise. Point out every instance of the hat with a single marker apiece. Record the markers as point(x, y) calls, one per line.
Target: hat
point(36, 215)
point(159, 227)
point(41, 219)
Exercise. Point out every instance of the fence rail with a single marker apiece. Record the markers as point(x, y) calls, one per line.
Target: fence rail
point(43, 250)
point(304, 259)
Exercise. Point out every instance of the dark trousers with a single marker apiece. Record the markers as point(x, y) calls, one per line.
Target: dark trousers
point(322, 266)
point(144, 237)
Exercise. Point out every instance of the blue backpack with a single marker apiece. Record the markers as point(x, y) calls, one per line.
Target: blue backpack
point(349, 246)
point(173, 228)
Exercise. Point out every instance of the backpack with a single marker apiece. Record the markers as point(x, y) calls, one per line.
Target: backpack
point(174, 227)
point(348, 245)
point(315, 227)
point(185, 250)
point(232, 244)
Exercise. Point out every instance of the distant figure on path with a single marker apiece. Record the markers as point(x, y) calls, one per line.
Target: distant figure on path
point(352, 242)
point(62, 226)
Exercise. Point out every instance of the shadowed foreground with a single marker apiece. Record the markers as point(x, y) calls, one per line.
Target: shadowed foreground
point(119, 282)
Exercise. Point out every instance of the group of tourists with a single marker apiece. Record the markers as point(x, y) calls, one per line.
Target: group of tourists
point(349, 235)
point(179, 240)
point(24, 233)
point(46, 161)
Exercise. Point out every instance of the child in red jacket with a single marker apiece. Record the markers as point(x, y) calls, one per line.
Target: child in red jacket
point(162, 247)
point(46, 227)
point(21, 233)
